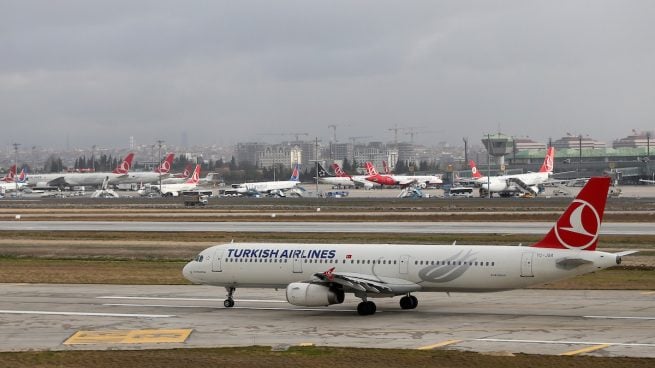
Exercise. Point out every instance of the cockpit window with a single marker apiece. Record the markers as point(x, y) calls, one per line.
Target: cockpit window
point(199, 258)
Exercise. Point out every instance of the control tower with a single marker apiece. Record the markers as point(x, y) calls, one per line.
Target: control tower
point(498, 145)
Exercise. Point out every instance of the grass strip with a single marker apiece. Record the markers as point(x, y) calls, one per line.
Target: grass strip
point(315, 357)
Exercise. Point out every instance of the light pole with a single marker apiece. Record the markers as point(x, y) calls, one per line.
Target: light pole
point(16, 166)
point(93, 158)
point(489, 165)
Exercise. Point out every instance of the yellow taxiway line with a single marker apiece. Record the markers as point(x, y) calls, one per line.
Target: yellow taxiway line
point(588, 349)
point(439, 344)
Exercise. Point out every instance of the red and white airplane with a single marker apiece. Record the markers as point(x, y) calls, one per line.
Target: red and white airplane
point(175, 189)
point(82, 179)
point(145, 177)
point(507, 185)
point(358, 180)
point(402, 180)
point(341, 179)
point(322, 274)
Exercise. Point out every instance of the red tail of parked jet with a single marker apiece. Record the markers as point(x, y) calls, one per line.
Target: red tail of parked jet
point(125, 166)
point(547, 166)
point(578, 227)
point(195, 177)
point(11, 175)
point(186, 173)
point(385, 167)
point(165, 166)
point(370, 169)
point(474, 170)
point(338, 171)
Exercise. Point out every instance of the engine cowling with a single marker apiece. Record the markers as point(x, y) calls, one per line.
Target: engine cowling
point(313, 295)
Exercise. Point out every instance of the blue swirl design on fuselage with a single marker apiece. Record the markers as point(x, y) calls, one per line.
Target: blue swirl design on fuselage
point(444, 272)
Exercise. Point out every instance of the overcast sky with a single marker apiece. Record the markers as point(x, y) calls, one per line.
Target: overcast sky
point(98, 72)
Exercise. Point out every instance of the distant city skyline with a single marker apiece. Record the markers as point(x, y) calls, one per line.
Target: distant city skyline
point(82, 73)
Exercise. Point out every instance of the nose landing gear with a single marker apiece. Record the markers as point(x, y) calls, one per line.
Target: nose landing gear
point(229, 302)
point(408, 302)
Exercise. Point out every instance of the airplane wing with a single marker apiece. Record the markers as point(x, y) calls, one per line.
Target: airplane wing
point(356, 282)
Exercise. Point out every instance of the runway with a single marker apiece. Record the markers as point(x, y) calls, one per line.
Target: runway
point(609, 228)
point(602, 323)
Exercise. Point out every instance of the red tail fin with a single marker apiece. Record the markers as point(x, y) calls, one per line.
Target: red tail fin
point(125, 166)
point(370, 169)
point(547, 166)
point(474, 170)
point(338, 171)
point(195, 177)
point(11, 175)
point(165, 166)
point(578, 227)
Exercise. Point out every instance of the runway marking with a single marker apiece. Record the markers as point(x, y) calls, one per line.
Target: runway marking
point(648, 293)
point(191, 299)
point(306, 344)
point(439, 344)
point(588, 349)
point(566, 342)
point(217, 307)
point(88, 314)
point(129, 337)
point(620, 317)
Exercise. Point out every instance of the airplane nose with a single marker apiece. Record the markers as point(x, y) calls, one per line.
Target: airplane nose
point(187, 272)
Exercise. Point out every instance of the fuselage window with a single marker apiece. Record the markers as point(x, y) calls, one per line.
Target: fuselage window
point(476, 263)
point(368, 261)
point(487, 264)
point(305, 261)
point(415, 262)
point(358, 261)
point(394, 262)
point(352, 261)
point(493, 263)
point(448, 263)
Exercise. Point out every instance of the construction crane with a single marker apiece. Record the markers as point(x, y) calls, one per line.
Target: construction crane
point(412, 131)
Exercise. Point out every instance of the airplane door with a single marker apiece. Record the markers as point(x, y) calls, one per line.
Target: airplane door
point(297, 265)
point(526, 265)
point(404, 264)
point(216, 262)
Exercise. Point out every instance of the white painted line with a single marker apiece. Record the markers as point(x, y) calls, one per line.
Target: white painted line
point(618, 317)
point(87, 314)
point(191, 299)
point(211, 307)
point(565, 342)
point(162, 306)
point(299, 309)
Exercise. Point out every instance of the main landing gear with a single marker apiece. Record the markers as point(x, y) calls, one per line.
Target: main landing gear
point(229, 302)
point(408, 302)
point(366, 308)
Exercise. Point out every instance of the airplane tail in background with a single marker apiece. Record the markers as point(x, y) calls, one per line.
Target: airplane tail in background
point(22, 177)
point(195, 177)
point(165, 166)
point(11, 175)
point(579, 226)
point(322, 173)
point(385, 167)
point(338, 171)
point(548, 166)
point(125, 166)
point(186, 173)
point(474, 170)
point(295, 175)
point(370, 169)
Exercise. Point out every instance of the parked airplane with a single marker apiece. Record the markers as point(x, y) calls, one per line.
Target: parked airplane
point(321, 274)
point(146, 177)
point(174, 190)
point(16, 183)
point(507, 185)
point(270, 186)
point(11, 174)
point(81, 179)
point(339, 180)
point(402, 180)
point(358, 180)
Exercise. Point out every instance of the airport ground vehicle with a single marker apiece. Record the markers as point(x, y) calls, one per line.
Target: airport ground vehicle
point(195, 199)
point(460, 192)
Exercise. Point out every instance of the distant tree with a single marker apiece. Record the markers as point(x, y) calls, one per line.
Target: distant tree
point(346, 166)
point(423, 166)
point(401, 167)
point(233, 164)
point(53, 164)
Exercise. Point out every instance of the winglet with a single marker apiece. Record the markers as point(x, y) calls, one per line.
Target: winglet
point(579, 225)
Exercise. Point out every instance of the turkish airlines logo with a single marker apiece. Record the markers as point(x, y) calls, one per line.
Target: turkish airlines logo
point(165, 167)
point(125, 167)
point(196, 176)
point(474, 169)
point(549, 163)
point(582, 228)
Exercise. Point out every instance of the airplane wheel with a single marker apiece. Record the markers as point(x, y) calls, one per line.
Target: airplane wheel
point(414, 301)
point(366, 308)
point(406, 302)
point(228, 303)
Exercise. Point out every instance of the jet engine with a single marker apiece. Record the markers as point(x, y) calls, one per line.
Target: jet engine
point(313, 295)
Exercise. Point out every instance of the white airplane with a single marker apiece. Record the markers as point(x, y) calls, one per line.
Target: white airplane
point(321, 274)
point(13, 182)
point(269, 186)
point(81, 179)
point(180, 177)
point(174, 190)
point(146, 177)
point(507, 185)
point(339, 180)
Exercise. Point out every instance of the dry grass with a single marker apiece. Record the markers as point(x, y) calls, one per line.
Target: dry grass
point(315, 357)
